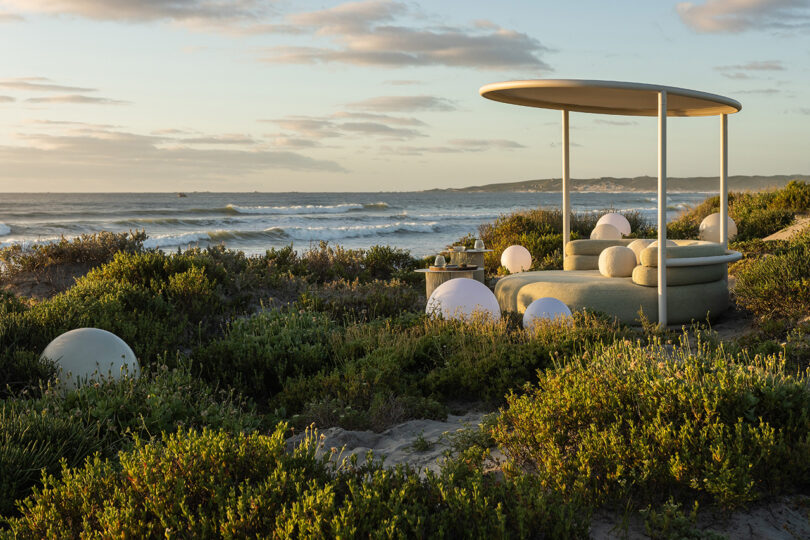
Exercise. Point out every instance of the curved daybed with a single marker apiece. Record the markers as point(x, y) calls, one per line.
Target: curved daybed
point(696, 277)
point(693, 283)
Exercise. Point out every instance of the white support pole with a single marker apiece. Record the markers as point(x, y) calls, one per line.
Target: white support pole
point(662, 208)
point(724, 180)
point(566, 188)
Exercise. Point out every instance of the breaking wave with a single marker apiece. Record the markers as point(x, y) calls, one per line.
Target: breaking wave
point(4, 229)
point(306, 208)
point(290, 233)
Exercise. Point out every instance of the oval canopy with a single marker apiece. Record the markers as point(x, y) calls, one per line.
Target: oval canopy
point(608, 97)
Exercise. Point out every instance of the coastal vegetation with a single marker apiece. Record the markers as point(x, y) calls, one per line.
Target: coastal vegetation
point(238, 353)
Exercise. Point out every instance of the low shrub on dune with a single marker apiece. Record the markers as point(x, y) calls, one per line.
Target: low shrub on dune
point(37, 433)
point(647, 422)
point(213, 484)
point(756, 215)
point(776, 287)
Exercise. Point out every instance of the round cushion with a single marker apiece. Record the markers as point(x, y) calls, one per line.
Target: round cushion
point(605, 232)
point(638, 245)
point(710, 228)
point(617, 220)
point(617, 261)
point(460, 298)
point(670, 243)
point(90, 354)
point(545, 308)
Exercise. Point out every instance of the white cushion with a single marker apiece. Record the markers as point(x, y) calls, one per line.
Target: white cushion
point(638, 245)
point(617, 261)
point(605, 232)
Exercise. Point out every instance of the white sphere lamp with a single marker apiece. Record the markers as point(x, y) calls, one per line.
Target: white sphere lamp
point(710, 228)
point(545, 308)
point(462, 299)
point(605, 232)
point(516, 259)
point(90, 354)
point(617, 220)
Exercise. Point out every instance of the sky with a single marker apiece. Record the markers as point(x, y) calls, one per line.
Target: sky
point(381, 95)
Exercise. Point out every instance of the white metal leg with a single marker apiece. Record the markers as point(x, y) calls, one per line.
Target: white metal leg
point(724, 180)
point(662, 208)
point(566, 188)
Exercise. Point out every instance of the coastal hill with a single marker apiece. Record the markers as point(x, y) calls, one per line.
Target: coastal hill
point(639, 183)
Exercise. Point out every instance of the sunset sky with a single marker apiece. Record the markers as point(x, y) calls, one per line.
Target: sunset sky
point(378, 95)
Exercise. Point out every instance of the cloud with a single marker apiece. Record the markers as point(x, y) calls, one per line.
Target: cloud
point(404, 104)
point(10, 17)
point(346, 123)
point(220, 139)
point(373, 33)
point(485, 144)
point(148, 10)
point(746, 71)
point(6, 99)
point(131, 157)
point(35, 84)
point(717, 16)
point(75, 98)
point(386, 118)
point(454, 146)
point(381, 130)
point(615, 122)
point(403, 82)
point(761, 91)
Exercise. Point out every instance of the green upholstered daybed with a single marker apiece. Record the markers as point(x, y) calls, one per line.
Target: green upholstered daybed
point(694, 292)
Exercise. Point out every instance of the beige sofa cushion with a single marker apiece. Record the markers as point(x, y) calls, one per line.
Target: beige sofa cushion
point(581, 262)
point(592, 247)
point(649, 256)
point(679, 275)
point(615, 296)
point(617, 261)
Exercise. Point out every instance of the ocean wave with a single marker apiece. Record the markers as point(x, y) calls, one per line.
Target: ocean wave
point(359, 231)
point(4, 229)
point(306, 208)
point(292, 233)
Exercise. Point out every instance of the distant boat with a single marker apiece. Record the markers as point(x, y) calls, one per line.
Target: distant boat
point(181, 194)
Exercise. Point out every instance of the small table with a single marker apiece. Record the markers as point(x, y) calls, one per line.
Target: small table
point(469, 256)
point(434, 278)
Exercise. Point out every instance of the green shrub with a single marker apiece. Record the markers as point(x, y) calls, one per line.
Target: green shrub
point(653, 421)
point(356, 301)
point(211, 484)
point(540, 231)
point(37, 433)
point(776, 287)
point(434, 362)
point(757, 215)
point(87, 249)
point(258, 354)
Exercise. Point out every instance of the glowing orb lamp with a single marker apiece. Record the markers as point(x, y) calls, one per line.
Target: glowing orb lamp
point(516, 259)
point(710, 228)
point(617, 220)
point(90, 354)
point(545, 308)
point(605, 232)
point(461, 298)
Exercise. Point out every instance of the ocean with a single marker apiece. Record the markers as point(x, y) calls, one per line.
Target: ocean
point(421, 222)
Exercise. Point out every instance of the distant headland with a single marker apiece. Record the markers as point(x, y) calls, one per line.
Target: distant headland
point(639, 183)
